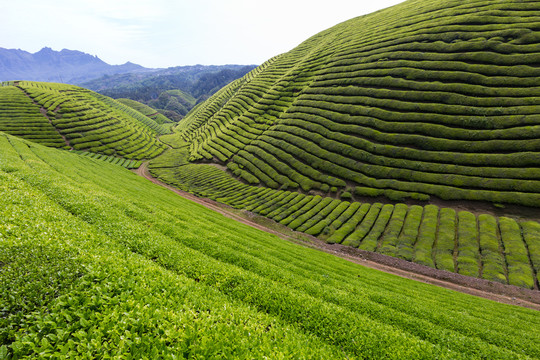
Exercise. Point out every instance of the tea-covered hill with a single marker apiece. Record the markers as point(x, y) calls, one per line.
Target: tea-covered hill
point(97, 262)
point(431, 103)
point(70, 117)
point(146, 110)
point(427, 98)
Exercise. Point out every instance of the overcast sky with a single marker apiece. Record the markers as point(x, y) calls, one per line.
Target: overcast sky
point(163, 33)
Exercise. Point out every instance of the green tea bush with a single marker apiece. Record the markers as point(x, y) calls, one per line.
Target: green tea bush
point(426, 236)
point(309, 214)
point(345, 215)
point(468, 244)
point(519, 271)
point(493, 263)
point(409, 234)
point(443, 251)
point(355, 238)
point(299, 216)
point(254, 196)
point(531, 235)
point(243, 158)
point(255, 153)
point(32, 277)
point(323, 226)
point(349, 225)
point(316, 164)
point(346, 195)
point(269, 206)
point(325, 208)
point(371, 241)
point(292, 208)
point(289, 199)
point(394, 229)
point(289, 170)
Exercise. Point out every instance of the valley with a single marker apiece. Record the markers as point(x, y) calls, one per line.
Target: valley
point(373, 193)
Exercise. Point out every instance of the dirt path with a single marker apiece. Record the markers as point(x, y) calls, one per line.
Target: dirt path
point(506, 294)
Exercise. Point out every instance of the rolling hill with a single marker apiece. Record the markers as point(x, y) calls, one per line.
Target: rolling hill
point(146, 111)
point(173, 91)
point(73, 118)
point(97, 261)
point(393, 133)
point(413, 131)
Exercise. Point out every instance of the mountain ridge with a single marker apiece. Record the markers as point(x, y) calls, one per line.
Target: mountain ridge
point(65, 66)
point(149, 86)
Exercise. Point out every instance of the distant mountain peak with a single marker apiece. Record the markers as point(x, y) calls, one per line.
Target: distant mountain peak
point(68, 66)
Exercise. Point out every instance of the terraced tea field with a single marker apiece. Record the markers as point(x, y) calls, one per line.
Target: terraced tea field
point(369, 133)
point(375, 134)
point(499, 249)
point(146, 110)
point(73, 118)
point(126, 163)
point(425, 99)
point(110, 263)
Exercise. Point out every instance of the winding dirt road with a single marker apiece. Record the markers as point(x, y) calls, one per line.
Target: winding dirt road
point(506, 294)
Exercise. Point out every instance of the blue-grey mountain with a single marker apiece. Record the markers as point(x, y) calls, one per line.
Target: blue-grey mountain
point(65, 66)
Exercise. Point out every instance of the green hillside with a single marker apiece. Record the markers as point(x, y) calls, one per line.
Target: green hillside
point(369, 134)
point(172, 91)
point(97, 261)
point(73, 118)
point(174, 103)
point(412, 132)
point(145, 110)
point(427, 98)
point(501, 249)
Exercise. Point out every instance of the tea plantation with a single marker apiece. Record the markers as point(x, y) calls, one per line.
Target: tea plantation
point(97, 262)
point(500, 249)
point(424, 99)
point(369, 133)
point(146, 110)
point(374, 134)
point(73, 118)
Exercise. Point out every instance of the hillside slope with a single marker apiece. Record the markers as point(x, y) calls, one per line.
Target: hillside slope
point(98, 261)
point(145, 110)
point(425, 99)
point(413, 132)
point(173, 91)
point(70, 117)
point(489, 246)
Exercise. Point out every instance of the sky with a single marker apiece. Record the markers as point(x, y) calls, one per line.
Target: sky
point(165, 33)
